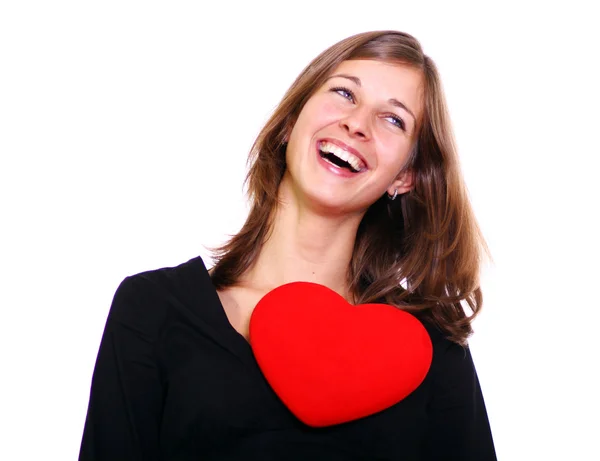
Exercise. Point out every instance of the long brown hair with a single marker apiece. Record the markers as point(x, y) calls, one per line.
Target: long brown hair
point(421, 252)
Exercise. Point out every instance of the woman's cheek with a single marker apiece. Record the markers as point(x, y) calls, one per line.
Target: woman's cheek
point(394, 154)
point(328, 111)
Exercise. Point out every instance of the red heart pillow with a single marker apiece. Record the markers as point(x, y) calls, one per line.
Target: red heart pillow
point(331, 362)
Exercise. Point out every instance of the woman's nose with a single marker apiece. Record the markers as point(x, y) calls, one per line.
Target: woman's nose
point(356, 124)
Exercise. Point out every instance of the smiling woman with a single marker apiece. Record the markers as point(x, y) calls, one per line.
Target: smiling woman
point(356, 116)
point(355, 193)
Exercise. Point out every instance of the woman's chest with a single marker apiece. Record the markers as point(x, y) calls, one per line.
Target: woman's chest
point(216, 396)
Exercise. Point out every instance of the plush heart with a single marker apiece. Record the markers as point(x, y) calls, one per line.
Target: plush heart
point(331, 362)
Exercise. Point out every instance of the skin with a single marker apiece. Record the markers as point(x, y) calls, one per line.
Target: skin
point(315, 227)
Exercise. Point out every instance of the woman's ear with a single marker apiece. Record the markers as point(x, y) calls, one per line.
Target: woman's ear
point(403, 183)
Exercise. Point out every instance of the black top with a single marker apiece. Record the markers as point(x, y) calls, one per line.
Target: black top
point(175, 381)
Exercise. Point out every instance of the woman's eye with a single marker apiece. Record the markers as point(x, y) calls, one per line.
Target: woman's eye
point(345, 93)
point(397, 121)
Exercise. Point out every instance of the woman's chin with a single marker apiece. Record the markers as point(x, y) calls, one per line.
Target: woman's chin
point(324, 196)
point(332, 204)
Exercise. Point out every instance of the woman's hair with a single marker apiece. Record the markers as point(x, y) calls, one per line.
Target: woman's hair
point(421, 252)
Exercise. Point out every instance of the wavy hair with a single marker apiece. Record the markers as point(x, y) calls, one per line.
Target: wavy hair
point(421, 252)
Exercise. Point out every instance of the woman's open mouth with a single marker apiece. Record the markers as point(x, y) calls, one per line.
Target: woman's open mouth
point(340, 158)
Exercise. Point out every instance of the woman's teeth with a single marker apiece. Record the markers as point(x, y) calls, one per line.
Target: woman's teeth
point(355, 163)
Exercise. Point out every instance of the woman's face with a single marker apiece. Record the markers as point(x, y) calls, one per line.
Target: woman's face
point(354, 136)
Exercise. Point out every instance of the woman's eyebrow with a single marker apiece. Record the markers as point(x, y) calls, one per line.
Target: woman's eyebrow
point(392, 101)
point(349, 77)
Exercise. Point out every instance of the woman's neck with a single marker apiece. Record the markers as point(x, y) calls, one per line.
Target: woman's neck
point(305, 246)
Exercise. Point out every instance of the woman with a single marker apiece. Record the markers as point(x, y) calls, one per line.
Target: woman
point(354, 185)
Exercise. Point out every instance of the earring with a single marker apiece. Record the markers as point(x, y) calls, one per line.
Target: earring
point(393, 197)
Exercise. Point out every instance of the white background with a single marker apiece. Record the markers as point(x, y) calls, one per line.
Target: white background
point(124, 130)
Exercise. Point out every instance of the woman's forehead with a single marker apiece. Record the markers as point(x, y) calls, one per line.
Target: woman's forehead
point(371, 71)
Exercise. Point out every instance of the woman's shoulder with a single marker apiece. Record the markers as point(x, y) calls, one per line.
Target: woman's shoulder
point(449, 357)
point(444, 349)
point(174, 276)
point(147, 296)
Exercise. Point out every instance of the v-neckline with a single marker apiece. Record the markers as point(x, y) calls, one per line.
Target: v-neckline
point(225, 318)
point(224, 322)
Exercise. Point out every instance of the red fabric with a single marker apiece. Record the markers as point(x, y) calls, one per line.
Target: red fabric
point(331, 362)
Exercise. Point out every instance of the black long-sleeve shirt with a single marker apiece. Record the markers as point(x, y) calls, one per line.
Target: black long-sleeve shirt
point(175, 381)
